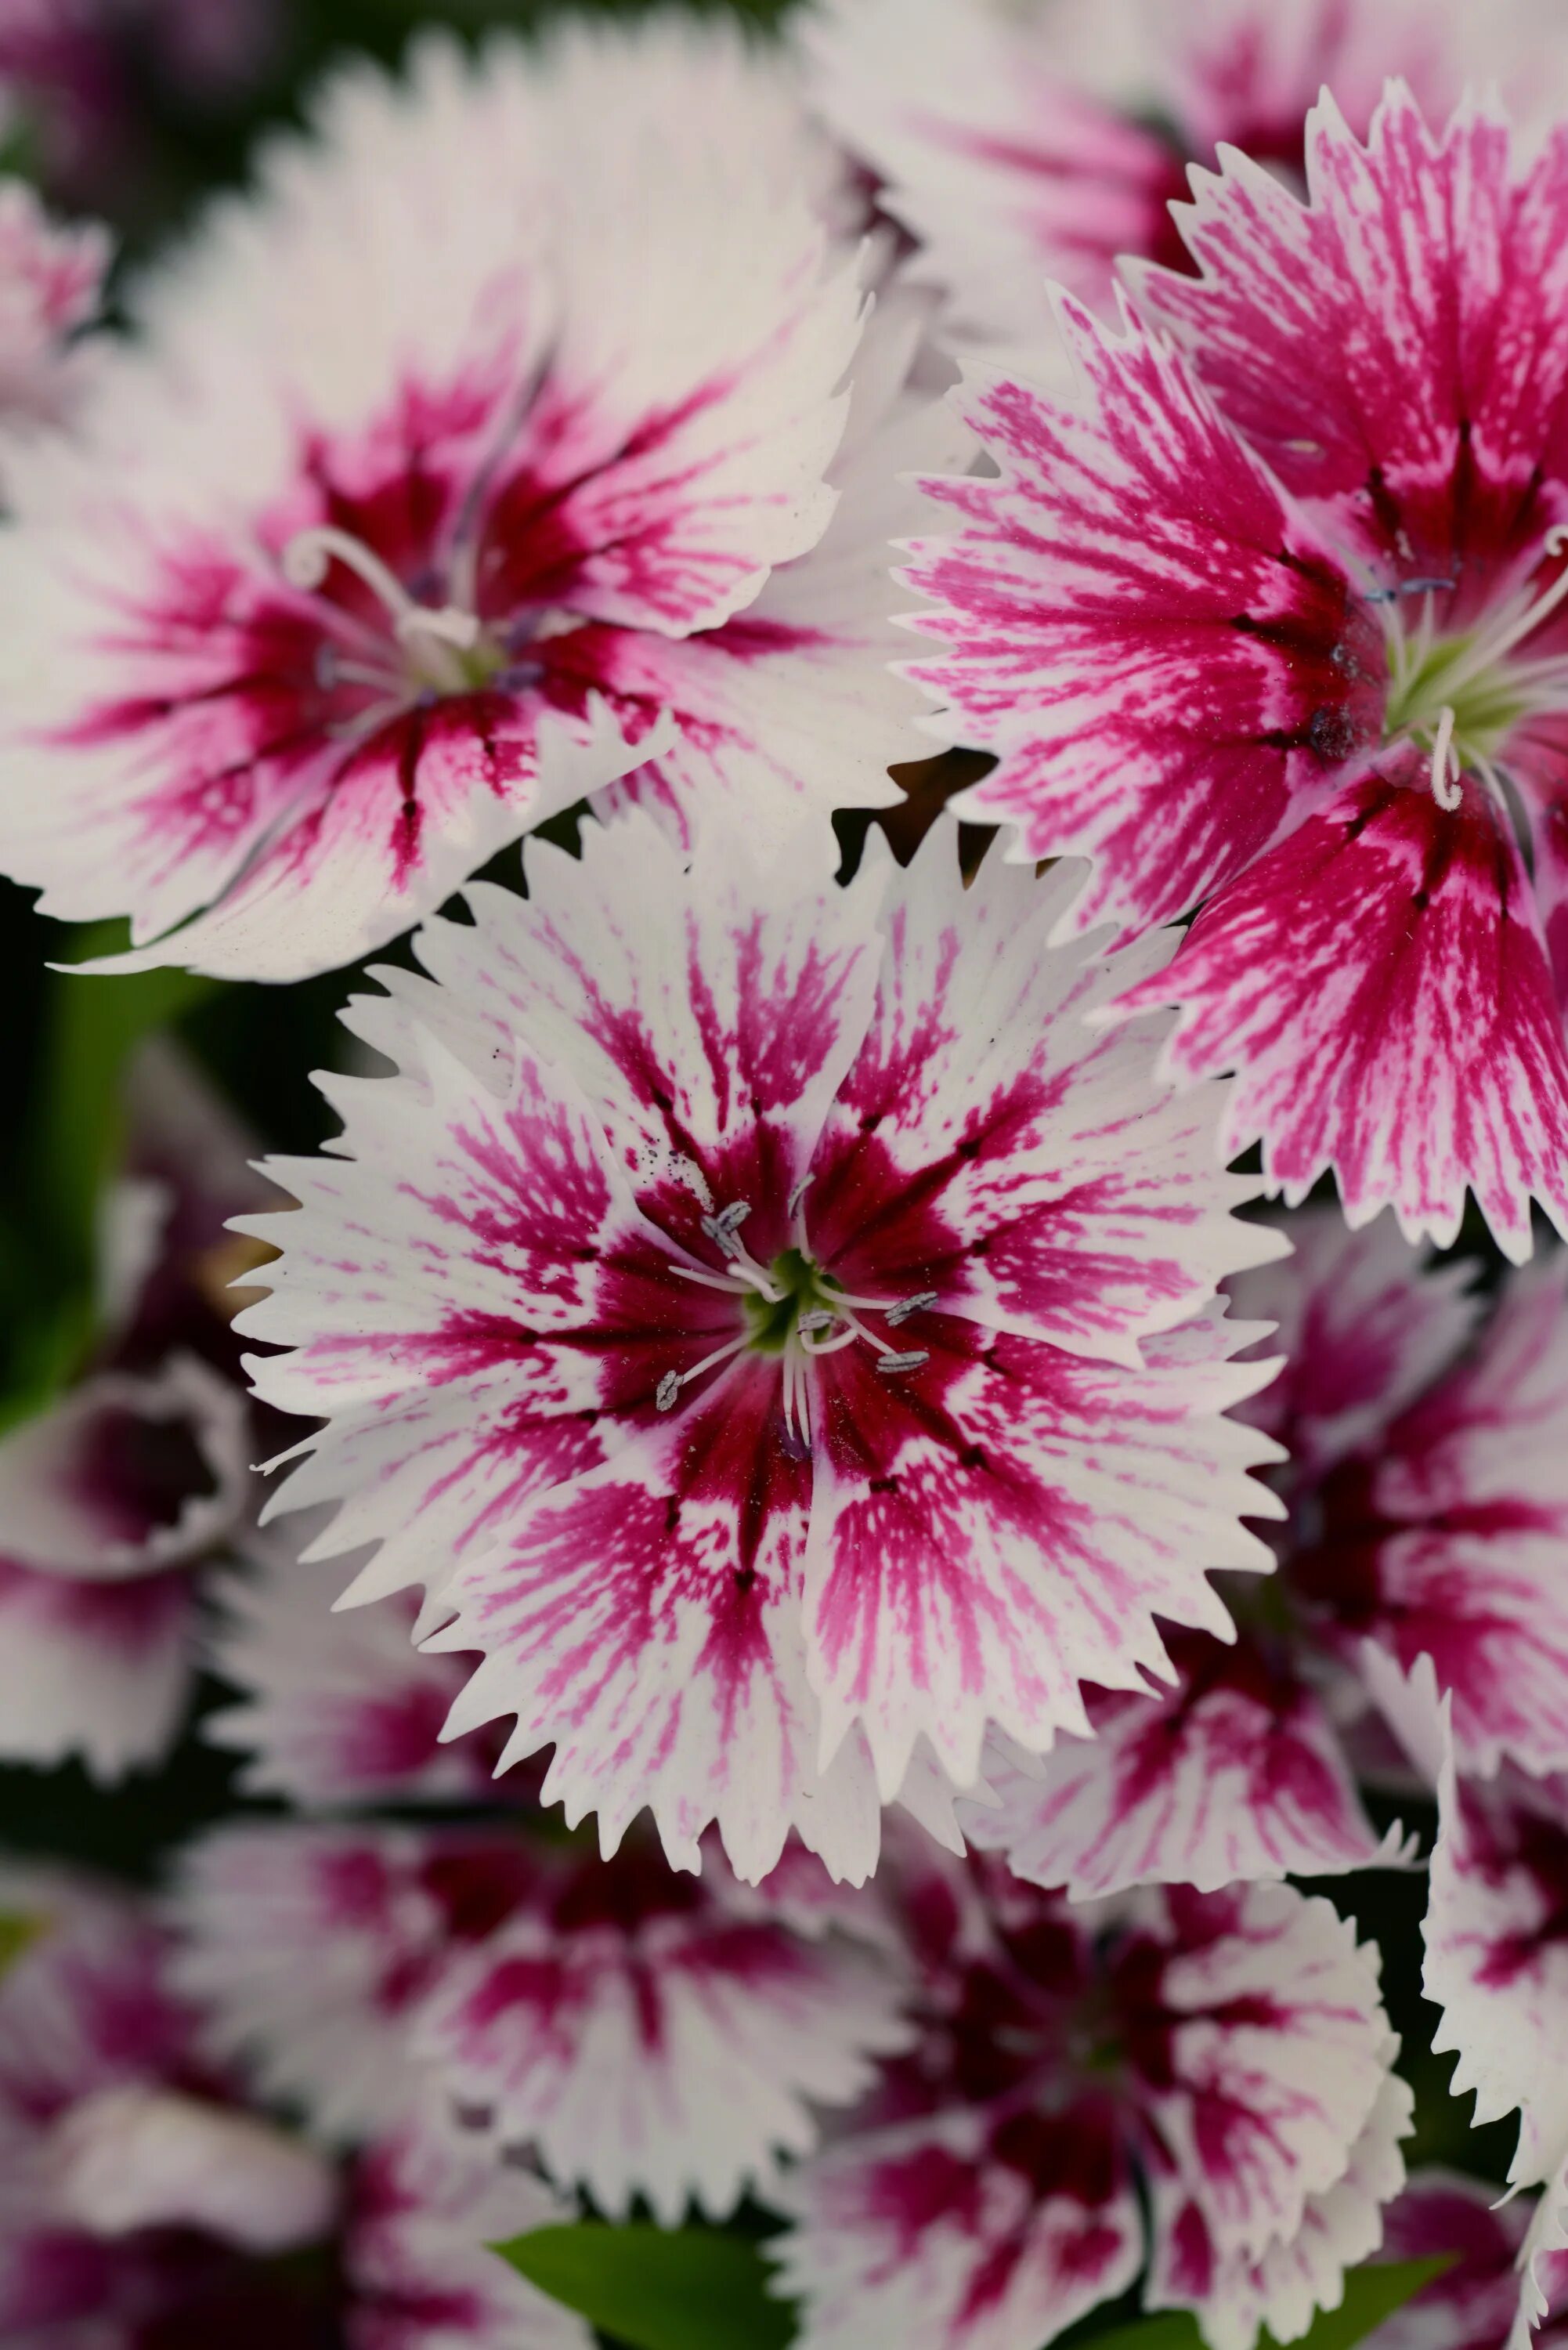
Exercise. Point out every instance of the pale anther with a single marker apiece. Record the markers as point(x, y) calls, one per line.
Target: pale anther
point(668, 1393)
point(909, 1362)
point(721, 1229)
point(919, 1304)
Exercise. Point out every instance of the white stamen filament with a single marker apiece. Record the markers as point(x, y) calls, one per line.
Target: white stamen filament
point(309, 556)
point(1446, 789)
point(835, 1311)
point(1489, 650)
point(669, 1385)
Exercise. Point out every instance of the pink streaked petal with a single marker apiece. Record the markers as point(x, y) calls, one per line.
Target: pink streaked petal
point(1006, 173)
point(306, 1949)
point(1538, 758)
point(334, 1707)
point(127, 1475)
point(678, 442)
point(1363, 1325)
point(708, 1017)
point(1466, 1509)
point(930, 2237)
point(649, 2040)
point(391, 828)
point(1171, 680)
point(982, 1146)
point(1269, 2057)
point(1497, 1957)
point(1005, 1522)
point(1380, 985)
point(155, 777)
point(1238, 1774)
point(792, 706)
point(1328, 333)
point(443, 1278)
point(1296, 2277)
point(426, 2209)
point(645, 1619)
point(99, 1669)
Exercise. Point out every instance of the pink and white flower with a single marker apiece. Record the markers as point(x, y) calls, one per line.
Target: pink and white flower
point(115, 1494)
point(776, 1326)
point(453, 481)
point(1427, 1492)
point(640, 2031)
point(1227, 2054)
point(1018, 144)
point(1497, 1965)
point(142, 2200)
point(1322, 701)
point(134, 2192)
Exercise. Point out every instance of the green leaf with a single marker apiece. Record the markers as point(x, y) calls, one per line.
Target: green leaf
point(94, 1025)
point(658, 2288)
point(1371, 2294)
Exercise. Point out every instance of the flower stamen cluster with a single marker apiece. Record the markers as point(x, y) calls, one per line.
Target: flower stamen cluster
point(794, 1311)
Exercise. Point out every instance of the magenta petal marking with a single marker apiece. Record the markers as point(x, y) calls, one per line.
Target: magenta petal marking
point(1362, 1326)
point(1004, 1522)
point(1380, 983)
point(1238, 1774)
point(644, 1620)
point(1035, 1182)
point(1331, 335)
point(1462, 1520)
point(1169, 665)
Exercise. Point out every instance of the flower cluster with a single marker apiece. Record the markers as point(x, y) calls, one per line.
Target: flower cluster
point(787, 1354)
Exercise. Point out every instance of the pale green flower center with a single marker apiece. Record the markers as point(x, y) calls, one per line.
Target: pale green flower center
point(1458, 698)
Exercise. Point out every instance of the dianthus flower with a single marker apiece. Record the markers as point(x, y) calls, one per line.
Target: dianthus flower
point(1428, 1497)
point(142, 2197)
point(1192, 2087)
point(450, 483)
point(1497, 1965)
point(1018, 144)
point(1272, 626)
point(781, 1333)
point(640, 2031)
point(116, 1492)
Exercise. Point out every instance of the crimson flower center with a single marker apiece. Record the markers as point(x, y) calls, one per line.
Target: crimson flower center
point(793, 1310)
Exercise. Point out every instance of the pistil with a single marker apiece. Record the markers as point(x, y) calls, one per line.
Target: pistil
point(435, 637)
